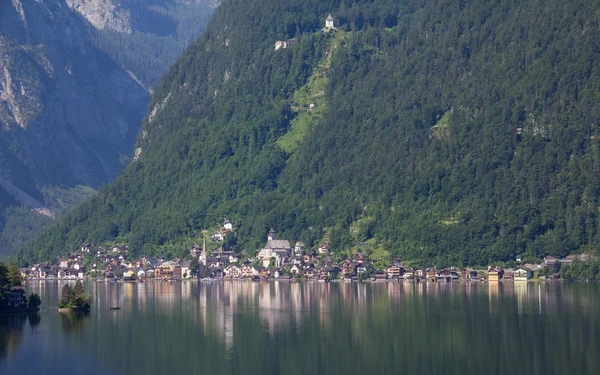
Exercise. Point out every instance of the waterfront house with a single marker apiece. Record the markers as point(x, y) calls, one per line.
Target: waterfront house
point(247, 270)
point(468, 273)
point(185, 269)
point(408, 274)
point(495, 274)
point(295, 270)
point(523, 274)
point(393, 271)
point(378, 275)
point(430, 273)
point(323, 276)
point(232, 272)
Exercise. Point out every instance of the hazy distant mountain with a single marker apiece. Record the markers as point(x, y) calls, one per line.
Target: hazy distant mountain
point(69, 110)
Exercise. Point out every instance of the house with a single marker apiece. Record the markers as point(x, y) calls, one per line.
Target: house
point(551, 261)
point(378, 275)
point(408, 274)
point(522, 274)
point(233, 272)
point(348, 268)
point(129, 274)
point(468, 273)
point(63, 263)
point(393, 271)
point(248, 270)
point(227, 224)
point(185, 269)
point(295, 270)
point(168, 271)
point(324, 249)
point(519, 258)
point(280, 44)
point(323, 276)
point(195, 251)
point(299, 248)
point(430, 273)
point(448, 274)
point(217, 237)
point(495, 274)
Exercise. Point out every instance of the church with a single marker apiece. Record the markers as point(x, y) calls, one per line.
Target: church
point(278, 249)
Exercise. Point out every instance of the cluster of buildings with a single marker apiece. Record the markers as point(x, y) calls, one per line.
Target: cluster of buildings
point(290, 42)
point(276, 260)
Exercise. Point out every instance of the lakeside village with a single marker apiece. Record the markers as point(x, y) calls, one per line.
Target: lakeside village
point(277, 260)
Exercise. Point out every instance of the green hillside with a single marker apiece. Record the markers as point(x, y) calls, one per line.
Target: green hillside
point(443, 133)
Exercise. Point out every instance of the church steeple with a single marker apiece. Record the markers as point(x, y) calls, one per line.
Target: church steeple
point(271, 235)
point(203, 255)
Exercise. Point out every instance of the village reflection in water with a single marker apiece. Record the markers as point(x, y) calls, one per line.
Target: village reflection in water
point(283, 306)
point(325, 327)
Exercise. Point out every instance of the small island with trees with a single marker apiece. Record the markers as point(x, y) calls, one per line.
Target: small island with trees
point(74, 299)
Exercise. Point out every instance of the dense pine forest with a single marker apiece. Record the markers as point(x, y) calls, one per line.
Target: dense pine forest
point(445, 133)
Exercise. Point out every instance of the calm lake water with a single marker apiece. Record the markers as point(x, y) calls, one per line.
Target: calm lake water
point(310, 328)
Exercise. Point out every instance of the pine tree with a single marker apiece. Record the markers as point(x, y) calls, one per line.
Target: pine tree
point(67, 294)
point(78, 289)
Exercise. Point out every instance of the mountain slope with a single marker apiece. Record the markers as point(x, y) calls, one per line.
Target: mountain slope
point(70, 107)
point(449, 133)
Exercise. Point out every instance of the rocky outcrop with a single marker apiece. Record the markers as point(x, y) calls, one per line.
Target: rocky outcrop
point(103, 14)
point(68, 113)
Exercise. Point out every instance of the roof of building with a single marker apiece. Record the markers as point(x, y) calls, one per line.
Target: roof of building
point(278, 244)
point(329, 18)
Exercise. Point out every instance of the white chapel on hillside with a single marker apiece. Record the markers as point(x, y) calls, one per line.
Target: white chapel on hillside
point(329, 23)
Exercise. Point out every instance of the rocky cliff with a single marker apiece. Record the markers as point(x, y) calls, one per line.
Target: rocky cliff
point(68, 113)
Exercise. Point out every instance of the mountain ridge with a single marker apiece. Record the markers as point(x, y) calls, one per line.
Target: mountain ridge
point(458, 134)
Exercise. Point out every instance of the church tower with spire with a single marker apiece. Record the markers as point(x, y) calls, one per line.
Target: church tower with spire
point(203, 255)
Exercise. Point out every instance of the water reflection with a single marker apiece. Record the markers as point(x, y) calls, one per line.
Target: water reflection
point(11, 331)
point(306, 328)
point(74, 322)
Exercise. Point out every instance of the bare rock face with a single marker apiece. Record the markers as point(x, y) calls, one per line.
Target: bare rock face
point(103, 14)
point(68, 113)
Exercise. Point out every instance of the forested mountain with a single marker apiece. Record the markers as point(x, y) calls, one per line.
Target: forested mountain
point(70, 111)
point(446, 132)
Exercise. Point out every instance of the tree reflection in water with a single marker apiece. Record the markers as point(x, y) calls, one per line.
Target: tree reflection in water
point(11, 331)
point(74, 322)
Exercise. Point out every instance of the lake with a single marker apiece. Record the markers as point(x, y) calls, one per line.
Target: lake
point(241, 327)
